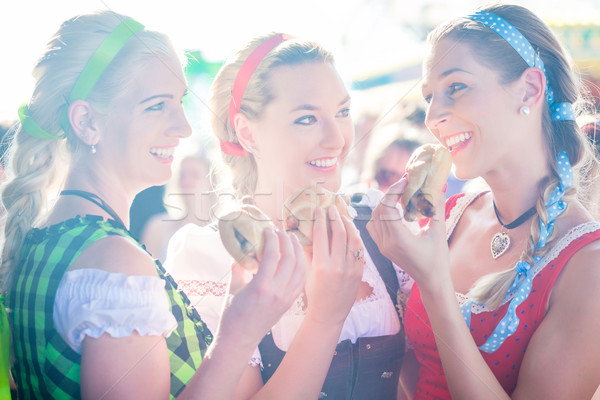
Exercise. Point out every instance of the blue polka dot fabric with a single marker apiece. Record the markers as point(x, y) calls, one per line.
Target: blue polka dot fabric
point(506, 362)
point(559, 111)
point(521, 285)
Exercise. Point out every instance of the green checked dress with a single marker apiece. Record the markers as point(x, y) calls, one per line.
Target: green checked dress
point(45, 365)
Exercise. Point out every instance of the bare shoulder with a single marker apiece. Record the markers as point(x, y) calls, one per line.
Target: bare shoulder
point(583, 271)
point(583, 268)
point(116, 254)
point(570, 330)
point(585, 263)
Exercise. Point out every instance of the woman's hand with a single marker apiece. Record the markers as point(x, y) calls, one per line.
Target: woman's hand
point(422, 255)
point(335, 268)
point(254, 307)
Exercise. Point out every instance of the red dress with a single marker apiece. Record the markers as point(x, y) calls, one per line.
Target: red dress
point(506, 361)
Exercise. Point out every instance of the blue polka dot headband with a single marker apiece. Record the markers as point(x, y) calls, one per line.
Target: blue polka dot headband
point(558, 111)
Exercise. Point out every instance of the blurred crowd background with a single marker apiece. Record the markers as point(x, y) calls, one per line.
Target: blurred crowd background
point(378, 46)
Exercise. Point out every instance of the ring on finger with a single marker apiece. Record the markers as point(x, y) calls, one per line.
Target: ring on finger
point(359, 254)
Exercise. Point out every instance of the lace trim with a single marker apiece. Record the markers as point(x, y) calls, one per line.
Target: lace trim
point(202, 288)
point(372, 278)
point(256, 362)
point(457, 211)
point(573, 234)
point(404, 280)
point(298, 308)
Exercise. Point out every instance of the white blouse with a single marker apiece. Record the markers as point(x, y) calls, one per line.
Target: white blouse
point(198, 261)
point(90, 302)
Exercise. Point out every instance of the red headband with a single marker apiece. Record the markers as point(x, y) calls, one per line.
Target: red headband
point(240, 83)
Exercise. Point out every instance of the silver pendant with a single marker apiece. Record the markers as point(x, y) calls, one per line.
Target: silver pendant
point(500, 243)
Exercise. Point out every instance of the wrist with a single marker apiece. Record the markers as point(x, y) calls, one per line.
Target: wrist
point(437, 284)
point(322, 323)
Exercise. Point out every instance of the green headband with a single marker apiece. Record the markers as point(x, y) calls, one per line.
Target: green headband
point(88, 78)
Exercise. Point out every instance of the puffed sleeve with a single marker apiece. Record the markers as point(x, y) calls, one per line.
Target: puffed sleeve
point(90, 302)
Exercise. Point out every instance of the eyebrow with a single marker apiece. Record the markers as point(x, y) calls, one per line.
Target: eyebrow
point(312, 108)
point(445, 74)
point(170, 96)
point(451, 71)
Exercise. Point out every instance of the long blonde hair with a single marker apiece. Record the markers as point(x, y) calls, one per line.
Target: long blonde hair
point(257, 95)
point(37, 168)
point(560, 135)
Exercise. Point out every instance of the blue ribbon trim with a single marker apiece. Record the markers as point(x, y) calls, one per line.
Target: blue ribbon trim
point(558, 111)
point(521, 285)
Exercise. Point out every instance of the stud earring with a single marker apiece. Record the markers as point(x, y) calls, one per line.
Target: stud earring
point(524, 110)
point(93, 149)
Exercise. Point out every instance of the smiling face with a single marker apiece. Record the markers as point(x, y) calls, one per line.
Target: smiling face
point(304, 134)
point(145, 125)
point(470, 111)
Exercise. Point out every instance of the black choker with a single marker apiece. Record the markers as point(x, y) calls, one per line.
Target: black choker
point(501, 240)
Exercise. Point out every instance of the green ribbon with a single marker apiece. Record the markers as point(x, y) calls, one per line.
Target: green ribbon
point(32, 127)
point(102, 58)
point(88, 78)
point(4, 352)
point(98, 63)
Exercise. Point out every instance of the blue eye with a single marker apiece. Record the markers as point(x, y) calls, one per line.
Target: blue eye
point(343, 113)
point(455, 87)
point(182, 97)
point(306, 120)
point(427, 98)
point(156, 107)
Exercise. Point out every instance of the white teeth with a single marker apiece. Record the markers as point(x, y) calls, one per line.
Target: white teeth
point(325, 162)
point(162, 152)
point(454, 140)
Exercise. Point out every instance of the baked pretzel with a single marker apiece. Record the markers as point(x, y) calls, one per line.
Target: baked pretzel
point(299, 211)
point(242, 235)
point(427, 171)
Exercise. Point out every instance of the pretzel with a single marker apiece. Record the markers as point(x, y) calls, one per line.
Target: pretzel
point(299, 211)
point(427, 171)
point(242, 235)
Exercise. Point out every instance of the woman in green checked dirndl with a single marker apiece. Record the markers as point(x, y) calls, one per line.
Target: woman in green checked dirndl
point(92, 314)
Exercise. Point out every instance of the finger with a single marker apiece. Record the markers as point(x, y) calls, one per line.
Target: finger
point(287, 259)
point(392, 196)
point(298, 277)
point(353, 242)
point(352, 231)
point(338, 231)
point(438, 222)
point(271, 254)
point(320, 240)
point(237, 278)
point(374, 229)
point(387, 209)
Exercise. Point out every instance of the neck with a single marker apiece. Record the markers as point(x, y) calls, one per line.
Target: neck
point(513, 196)
point(271, 201)
point(113, 194)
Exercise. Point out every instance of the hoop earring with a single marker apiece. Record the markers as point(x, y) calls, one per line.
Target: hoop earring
point(524, 110)
point(93, 149)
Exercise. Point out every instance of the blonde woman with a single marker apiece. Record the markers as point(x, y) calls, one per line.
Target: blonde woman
point(281, 113)
point(92, 314)
point(507, 290)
